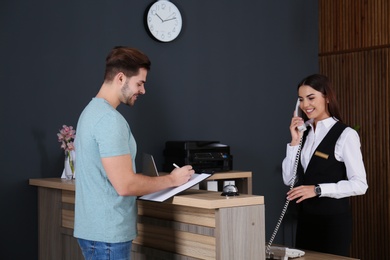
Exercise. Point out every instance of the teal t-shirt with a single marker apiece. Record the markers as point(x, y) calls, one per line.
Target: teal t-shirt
point(100, 213)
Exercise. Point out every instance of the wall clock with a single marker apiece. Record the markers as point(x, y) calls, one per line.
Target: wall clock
point(164, 21)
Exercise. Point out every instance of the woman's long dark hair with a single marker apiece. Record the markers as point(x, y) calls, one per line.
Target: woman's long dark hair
point(322, 84)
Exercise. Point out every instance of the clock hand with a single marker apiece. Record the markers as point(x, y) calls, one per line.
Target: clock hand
point(166, 19)
point(159, 17)
point(169, 19)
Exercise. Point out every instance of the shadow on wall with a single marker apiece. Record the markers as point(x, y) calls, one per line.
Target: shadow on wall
point(45, 163)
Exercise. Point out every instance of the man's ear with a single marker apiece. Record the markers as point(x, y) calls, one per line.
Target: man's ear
point(120, 78)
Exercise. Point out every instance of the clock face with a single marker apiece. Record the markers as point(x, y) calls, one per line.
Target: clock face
point(164, 21)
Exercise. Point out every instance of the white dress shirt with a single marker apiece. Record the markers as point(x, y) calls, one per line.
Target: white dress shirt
point(347, 150)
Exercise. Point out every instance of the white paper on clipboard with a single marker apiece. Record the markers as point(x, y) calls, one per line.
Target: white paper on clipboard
point(163, 195)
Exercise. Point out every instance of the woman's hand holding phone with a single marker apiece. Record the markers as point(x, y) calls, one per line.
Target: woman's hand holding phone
point(297, 126)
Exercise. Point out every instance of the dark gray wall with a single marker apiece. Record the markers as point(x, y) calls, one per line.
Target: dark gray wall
point(231, 76)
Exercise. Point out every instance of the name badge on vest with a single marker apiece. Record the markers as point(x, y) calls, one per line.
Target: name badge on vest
point(322, 155)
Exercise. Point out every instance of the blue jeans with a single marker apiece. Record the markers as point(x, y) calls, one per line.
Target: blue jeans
point(93, 250)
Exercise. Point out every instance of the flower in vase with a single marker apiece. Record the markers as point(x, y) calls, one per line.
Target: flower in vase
point(66, 137)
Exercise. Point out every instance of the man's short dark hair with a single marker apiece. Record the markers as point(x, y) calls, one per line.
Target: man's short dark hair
point(127, 60)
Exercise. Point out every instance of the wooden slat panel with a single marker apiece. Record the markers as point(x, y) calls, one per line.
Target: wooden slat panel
point(346, 25)
point(193, 245)
point(190, 215)
point(68, 197)
point(361, 81)
point(185, 227)
point(354, 50)
point(67, 218)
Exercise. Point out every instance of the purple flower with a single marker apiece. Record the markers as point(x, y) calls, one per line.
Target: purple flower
point(66, 137)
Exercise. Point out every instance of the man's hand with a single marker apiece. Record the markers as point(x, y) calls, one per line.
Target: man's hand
point(181, 175)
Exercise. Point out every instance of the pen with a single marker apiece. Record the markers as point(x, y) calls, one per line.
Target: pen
point(176, 165)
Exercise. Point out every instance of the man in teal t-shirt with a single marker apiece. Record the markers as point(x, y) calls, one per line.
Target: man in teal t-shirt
point(114, 216)
point(107, 184)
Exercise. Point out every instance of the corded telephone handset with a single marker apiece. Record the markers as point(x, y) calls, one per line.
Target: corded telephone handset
point(276, 252)
point(298, 112)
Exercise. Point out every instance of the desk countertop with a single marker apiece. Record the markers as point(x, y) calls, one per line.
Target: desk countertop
point(54, 183)
point(193, 198)
point(310, 255)
point(58, 183)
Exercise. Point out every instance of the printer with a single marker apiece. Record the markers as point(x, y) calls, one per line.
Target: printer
point(204, 156)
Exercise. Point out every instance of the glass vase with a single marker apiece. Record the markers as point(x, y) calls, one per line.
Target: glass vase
point(69, 166)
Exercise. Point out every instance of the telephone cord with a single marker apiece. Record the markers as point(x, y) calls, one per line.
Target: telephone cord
point(268, 249)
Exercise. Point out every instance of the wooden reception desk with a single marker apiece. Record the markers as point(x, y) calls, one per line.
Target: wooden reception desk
point(196, 224)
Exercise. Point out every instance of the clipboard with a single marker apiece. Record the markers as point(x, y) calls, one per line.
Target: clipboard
point(163, 195)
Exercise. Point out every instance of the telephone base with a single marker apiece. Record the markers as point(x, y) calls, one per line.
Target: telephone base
point(284, 253)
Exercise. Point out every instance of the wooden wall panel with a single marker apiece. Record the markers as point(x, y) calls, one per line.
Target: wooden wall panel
point(354, 49)
point(353, 24)
point(360, 81)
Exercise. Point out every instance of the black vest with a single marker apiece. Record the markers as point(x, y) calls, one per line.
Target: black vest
point(324, 168)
